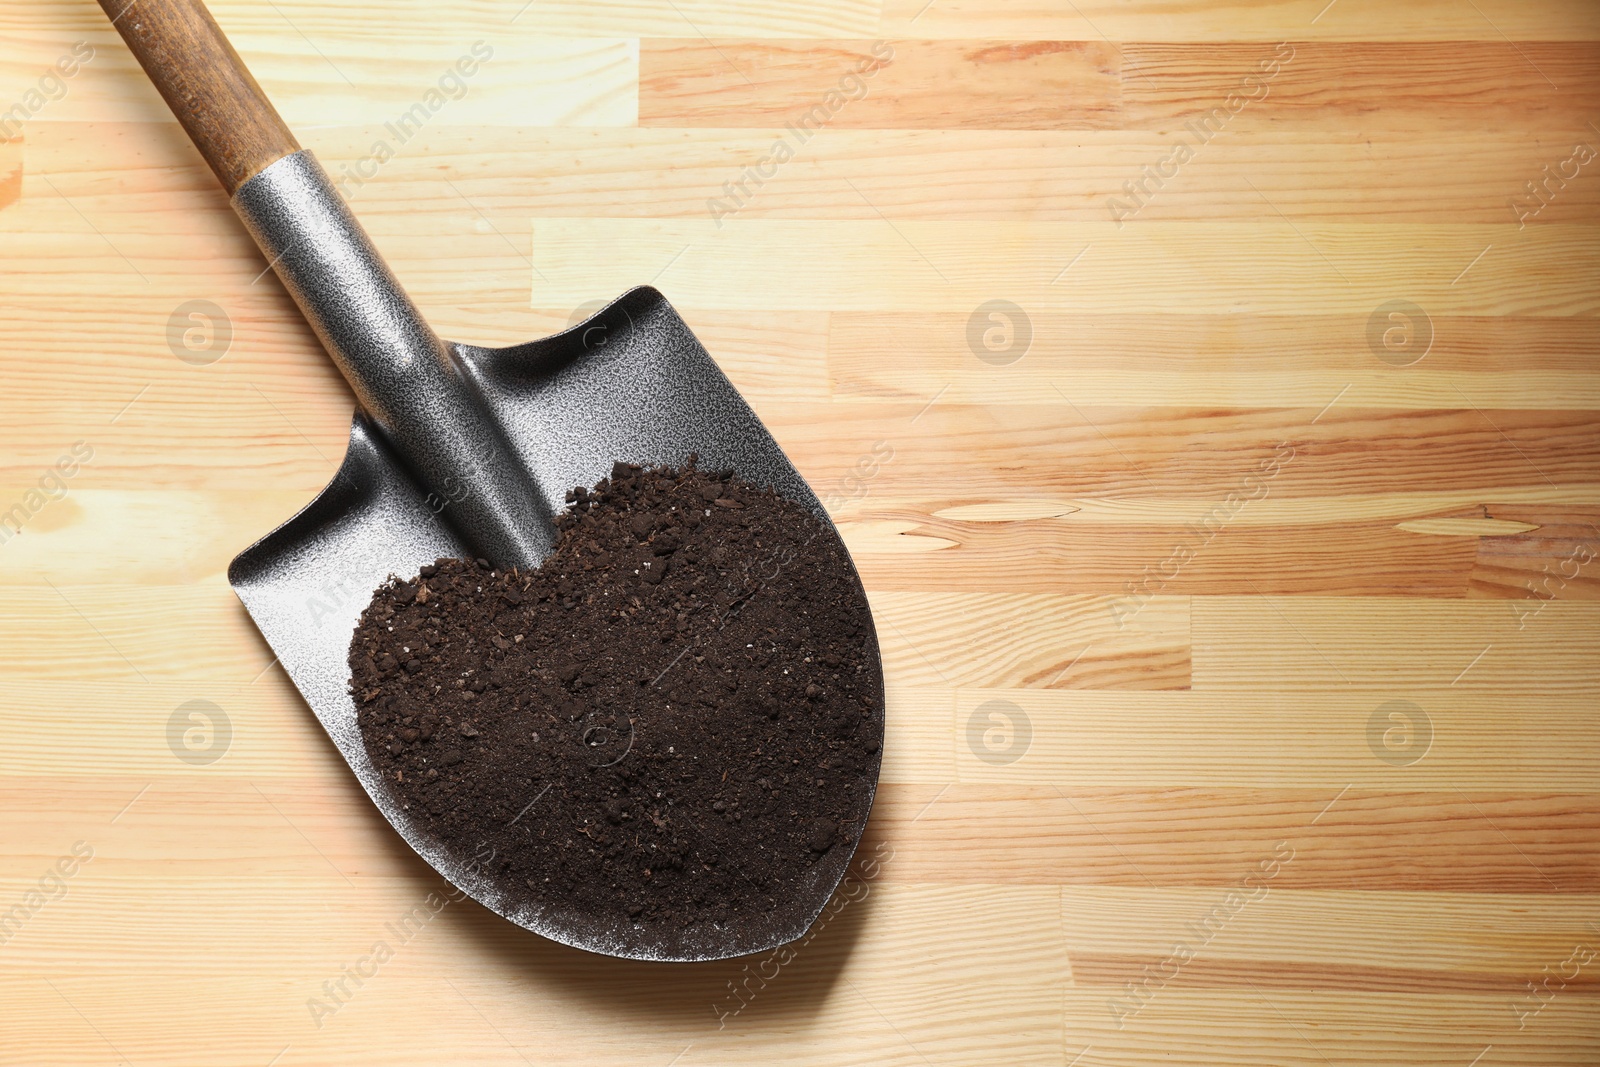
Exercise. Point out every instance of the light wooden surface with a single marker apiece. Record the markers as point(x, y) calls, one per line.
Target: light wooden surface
point(1202, 706)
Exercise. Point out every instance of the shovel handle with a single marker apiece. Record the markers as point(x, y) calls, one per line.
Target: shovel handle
point(206, 84)
point(407, 379)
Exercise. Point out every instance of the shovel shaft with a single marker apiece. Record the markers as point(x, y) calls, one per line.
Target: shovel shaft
point(208, 87)
point(405, 377)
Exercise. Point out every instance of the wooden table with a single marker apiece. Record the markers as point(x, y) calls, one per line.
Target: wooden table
point(1220, 399)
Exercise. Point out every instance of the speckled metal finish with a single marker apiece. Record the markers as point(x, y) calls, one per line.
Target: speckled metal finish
point(631, 383)
point(400, 370)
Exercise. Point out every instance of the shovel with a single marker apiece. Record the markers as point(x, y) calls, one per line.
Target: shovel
point(454, 450)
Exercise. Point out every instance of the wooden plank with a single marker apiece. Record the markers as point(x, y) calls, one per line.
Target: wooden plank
point(128, 634)
point(1553, 561)
point(1381, 85)
point(1176, 511)
point(1392, 646)
point(1012, 85)
point(1377, 840)
point(1012, 970)
point(1212, 549)
point(996, 355)
point(903, 550)
point(1475, 943)
point(524, 79)
point(1045, 451)
point(937, 638)
point(1315, 1028)
point(509, 173)
point(944, 959)
point(1270, 266)
point(410, 21)
point(1189, 20)
point(1313, 739)
point(134, 538)
point(1089, 84)
point(1244, 20)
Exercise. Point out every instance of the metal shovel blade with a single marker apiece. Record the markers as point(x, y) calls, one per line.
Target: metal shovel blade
point(632, 383)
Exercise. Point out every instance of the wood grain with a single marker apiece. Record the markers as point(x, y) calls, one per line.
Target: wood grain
point(1099, 85)
point(1389, 86)
point(1194, 20)
point(1120, 930)
point(1264, 266)
point(1336, 558)
point(10, 170)
point(1052, 641)
point(811, 85)
point(1379, 840)
point(1095, 358)
point(512, 172)
point(1246, 20)
point(1050, 549)
point(1312, 1028)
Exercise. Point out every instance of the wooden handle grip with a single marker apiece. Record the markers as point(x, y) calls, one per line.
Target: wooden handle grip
point(208, 87)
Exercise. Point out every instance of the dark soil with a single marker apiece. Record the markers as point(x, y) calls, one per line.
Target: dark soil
point(672, 722)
